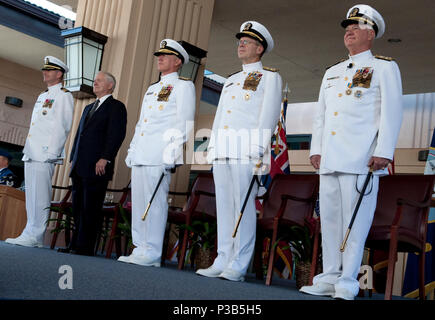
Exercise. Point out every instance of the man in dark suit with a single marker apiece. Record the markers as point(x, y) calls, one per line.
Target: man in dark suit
point(99, 136)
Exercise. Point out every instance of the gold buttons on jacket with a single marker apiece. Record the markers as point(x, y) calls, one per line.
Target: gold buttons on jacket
point(228, 111)
point(346, 78)
point(145, 120)
point(340, 95)
point(225, 127)
point(335, 113)
point(150, 107)
point(247, 97)
point(333, 133)
point(233, 97)
point(161, 107)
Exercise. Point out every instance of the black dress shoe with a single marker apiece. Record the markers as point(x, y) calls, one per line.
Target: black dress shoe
point(64, 250)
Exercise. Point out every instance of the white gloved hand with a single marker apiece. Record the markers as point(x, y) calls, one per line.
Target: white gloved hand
point(256, 152)
point(128, 161)
point(168, 168)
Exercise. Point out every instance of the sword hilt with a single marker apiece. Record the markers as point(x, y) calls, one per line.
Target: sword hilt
point(237, 225)
point(343, 245)
point(146, 211)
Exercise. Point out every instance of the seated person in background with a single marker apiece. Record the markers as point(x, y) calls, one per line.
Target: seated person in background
point(7, 177)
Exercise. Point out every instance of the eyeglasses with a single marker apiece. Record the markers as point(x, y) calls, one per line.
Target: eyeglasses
point(245, 42)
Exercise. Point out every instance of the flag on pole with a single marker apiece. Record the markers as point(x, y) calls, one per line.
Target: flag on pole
point(279, 164)
point(279, 152)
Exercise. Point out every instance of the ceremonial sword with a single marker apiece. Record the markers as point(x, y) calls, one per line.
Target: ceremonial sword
point(254, 177)
point(366, 182)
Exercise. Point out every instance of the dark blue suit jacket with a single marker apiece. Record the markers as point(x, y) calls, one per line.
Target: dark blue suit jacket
point(100, 138)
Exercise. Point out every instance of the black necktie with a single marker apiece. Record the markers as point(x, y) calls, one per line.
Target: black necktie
point(92, 111)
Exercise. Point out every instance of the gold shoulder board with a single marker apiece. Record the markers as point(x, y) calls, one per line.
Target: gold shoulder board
point(64, 89)
point(185, 79)
point(384, 58)
point(270, 69)
point(335, 64)
point(234, 73)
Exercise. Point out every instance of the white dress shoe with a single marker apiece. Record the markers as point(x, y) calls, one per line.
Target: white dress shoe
point(25, 241)
point(319, 289)
point(232, 275)
point(211, 272)
point(343, 294)
point(140, 260)
point(124, 259)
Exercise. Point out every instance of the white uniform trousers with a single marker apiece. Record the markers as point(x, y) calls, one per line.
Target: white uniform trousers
point(38, 187)
point(231, 185)
point(337, 200)
point(148, 235)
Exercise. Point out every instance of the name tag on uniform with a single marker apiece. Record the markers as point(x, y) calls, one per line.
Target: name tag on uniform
point(333, 78)
point(252, 81)
point(362, 78)
point(149, 93)
point(228, 85)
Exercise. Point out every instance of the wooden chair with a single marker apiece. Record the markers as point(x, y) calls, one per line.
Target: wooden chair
point(201, 205)
point(111, 215)
point(400, 221)
point(61, 207)
point(289, 201)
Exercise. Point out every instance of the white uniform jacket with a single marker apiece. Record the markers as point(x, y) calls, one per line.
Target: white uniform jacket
point(165, 122)
point(359, 114)
point(250, 103)
point(50, 125)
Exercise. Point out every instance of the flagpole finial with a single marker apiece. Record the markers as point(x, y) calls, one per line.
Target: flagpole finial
point(286, 90)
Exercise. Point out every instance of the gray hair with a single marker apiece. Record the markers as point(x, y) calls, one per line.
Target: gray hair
point(111, 78)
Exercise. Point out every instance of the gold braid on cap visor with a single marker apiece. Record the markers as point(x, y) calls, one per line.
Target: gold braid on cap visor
point(362, 19)
point(168, 51)
point(51, 67)
point(252, 34)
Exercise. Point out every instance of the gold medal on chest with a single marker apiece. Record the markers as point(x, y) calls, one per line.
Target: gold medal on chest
point(362, 77)
point(48, 103)
point(252, 81)
point(165, 93)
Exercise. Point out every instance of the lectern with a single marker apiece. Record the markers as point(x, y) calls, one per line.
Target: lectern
point(12, 212)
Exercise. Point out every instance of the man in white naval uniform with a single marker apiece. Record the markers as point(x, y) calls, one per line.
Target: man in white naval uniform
point(165, 122)
point(355, 128)
point(49, 127)
point(247, 114)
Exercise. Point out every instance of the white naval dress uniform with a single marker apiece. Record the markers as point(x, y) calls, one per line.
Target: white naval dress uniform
point(358, 116)
point(250, 103)
point(160, 133)
point(49, 128)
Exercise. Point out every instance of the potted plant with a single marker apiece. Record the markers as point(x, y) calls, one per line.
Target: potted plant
point(202, 238)
point(300, 239)
point(125, 228)
point(63, 221)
